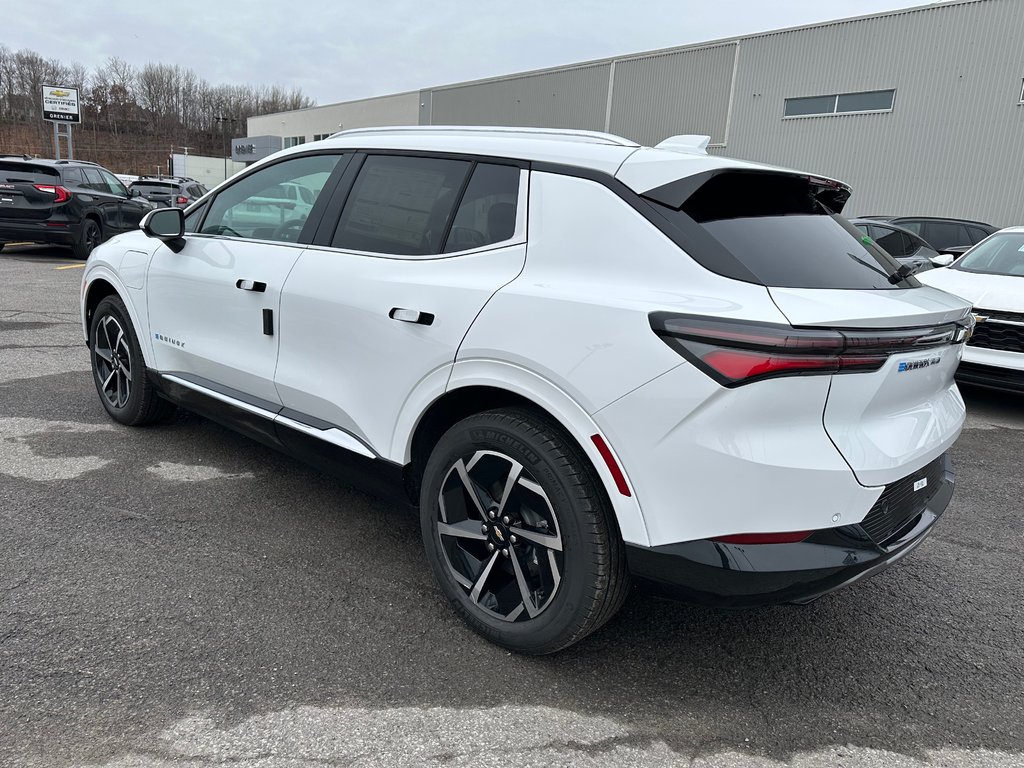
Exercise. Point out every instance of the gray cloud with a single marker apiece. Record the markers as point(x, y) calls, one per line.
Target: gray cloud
point(336, 51)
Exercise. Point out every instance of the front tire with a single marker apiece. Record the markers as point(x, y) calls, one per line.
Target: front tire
point(519, 533)
point(118, 369)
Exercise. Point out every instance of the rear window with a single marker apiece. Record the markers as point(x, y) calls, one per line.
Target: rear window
point(11, 173)
point(777, 230)
point(158, 187)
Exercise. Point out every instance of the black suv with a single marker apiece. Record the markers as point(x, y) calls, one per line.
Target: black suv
point(168, 191)
point(63, 202)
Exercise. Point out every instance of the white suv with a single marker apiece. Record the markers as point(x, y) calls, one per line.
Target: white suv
point(583, 359)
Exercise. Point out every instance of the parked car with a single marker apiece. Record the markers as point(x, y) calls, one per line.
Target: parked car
point(902, 244)
point(168, 191)
point(63, 202)
point(582, 359)
point(944, 235)
point(991, 277)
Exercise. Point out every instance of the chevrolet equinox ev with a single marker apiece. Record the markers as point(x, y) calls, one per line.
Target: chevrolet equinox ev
point(585, 361)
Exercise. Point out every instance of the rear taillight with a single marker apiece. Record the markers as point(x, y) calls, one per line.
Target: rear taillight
point(735, 352)
point(181, 200)
point(790, 537)
point(61, 195)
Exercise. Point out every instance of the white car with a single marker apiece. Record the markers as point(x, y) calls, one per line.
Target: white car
point(582, 359)
point(991, 277)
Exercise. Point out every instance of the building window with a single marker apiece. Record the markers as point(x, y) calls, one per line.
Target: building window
point(840, 103)
point(294, 141)
point(320, 136)
point(1022, 91)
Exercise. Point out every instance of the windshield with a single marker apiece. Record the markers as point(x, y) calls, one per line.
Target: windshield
point(1001, 254)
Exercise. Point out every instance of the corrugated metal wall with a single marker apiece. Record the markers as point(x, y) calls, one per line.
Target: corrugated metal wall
point(566, 98)
point(654, 97)
point(953, 144)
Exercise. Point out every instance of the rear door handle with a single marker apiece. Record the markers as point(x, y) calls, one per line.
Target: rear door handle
point(411, 316)
point(251, 285)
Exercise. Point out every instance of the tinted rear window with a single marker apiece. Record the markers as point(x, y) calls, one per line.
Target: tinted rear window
point(777, 227)
point(149, 188)
point(33, 174)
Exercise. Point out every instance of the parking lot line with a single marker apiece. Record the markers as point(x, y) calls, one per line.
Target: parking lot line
point(71, 266)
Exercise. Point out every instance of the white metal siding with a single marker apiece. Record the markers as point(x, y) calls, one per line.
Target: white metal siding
point(567, 98)
point(654, 97)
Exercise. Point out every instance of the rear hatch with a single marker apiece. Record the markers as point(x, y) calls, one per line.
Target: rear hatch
point(892, 405)
point(158, 193)
point(29, 192)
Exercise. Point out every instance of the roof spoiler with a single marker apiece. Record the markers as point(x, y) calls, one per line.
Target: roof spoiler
point(691, 143)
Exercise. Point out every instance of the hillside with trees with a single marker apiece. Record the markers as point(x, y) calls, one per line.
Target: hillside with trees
point(132, 118)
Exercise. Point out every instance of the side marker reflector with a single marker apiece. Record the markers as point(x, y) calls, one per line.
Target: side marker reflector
point(613, 467)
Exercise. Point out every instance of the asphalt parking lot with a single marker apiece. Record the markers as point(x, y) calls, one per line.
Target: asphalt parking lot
point(181, 596)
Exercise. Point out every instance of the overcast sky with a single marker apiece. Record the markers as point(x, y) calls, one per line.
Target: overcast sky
point(337, 50)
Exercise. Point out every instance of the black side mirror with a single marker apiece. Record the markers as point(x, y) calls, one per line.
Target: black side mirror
point(166, 224)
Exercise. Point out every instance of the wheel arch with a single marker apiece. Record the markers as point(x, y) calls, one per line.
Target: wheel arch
point(479, 386)
point(99, 287)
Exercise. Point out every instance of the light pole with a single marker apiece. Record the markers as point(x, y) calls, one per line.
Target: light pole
point(223, 137)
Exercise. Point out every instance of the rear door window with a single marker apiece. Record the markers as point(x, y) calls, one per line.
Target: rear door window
point(780, 232)
point(944, 234)
point(487, 211)
point(977, 233)
point(894, 243)
point(401, 205)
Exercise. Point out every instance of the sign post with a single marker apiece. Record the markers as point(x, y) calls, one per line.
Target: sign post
point(60, 107)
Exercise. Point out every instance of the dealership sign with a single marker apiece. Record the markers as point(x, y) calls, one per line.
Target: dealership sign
point(60, 105)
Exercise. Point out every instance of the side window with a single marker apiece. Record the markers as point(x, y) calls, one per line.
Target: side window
point(895, 243)
point(400, 205)
point(487, 213)
point(977, 234)
point(259, 207)
point(114, 184)
point(193, 217)
point(73, 177)
point(913, 226)
point(943, 234)
point(94, 181)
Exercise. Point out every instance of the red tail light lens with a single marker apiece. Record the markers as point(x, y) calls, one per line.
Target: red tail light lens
point(737, 352)
point(61, 195)
point(181, 200)
point(791, 537)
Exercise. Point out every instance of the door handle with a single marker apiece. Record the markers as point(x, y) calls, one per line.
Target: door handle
point(411, 316)
point(251, 285)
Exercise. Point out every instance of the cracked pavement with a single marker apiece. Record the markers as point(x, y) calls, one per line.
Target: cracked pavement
point(182, 596)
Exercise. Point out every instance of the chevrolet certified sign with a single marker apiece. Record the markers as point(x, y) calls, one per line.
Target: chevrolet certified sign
point(60, 105)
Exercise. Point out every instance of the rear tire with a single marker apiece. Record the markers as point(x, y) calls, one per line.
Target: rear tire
point(88, 238)
point(118, 370)
point(511, 481)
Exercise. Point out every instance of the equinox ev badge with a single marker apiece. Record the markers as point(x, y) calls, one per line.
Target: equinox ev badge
point(913, 365)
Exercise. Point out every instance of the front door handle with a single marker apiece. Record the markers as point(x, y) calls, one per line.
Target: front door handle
point(251, 285)
point(411, 316)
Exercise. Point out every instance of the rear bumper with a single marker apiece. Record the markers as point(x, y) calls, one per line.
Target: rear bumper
point(37, 232)
point(733, 575)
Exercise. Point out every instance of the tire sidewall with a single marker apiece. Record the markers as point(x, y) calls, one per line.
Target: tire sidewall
point(490, 431)
point(132, 410)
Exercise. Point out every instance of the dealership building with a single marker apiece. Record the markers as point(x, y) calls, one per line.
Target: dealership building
point(920, 110)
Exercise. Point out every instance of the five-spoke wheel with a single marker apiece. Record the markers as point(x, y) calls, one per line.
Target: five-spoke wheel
point(118, 367)
point(519, 532)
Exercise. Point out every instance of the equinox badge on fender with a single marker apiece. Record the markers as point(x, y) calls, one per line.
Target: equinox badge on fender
point(913, 365)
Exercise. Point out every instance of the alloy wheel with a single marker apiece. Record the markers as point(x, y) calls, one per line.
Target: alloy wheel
point(113, 362)
point(500, 536)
